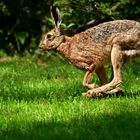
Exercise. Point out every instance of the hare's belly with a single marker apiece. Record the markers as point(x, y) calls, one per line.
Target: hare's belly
point(84, 59)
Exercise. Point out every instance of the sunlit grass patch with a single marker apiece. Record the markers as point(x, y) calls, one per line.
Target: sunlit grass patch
point(43, 101)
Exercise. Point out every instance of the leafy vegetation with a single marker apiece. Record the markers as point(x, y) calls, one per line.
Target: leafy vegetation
point(22, 22)
point(42, 100)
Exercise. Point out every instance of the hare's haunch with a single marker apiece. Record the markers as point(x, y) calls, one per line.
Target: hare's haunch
point(91, 50)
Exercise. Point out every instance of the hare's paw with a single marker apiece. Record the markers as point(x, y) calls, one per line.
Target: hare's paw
point(91, 94)
point(116, 91)
point(95, 93)
point(92, 86)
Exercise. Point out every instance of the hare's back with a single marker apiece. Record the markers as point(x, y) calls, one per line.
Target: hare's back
point(102, 32)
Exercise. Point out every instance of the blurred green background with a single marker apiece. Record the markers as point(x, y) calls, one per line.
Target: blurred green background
point(22, 22)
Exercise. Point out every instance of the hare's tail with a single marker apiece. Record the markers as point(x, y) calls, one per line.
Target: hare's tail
point(131, 53)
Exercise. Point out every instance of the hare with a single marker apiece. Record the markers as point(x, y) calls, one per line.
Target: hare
point(93, 49)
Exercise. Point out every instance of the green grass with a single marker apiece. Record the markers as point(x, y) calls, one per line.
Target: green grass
point(42, 101)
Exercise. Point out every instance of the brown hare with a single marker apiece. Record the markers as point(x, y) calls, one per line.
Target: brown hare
point(93, 49)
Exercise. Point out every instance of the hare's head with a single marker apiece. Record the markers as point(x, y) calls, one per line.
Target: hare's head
point(53, 38)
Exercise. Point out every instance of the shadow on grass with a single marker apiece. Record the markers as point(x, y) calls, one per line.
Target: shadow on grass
point(104, 127)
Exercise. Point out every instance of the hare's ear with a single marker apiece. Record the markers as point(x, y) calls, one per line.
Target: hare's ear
point(55, 13)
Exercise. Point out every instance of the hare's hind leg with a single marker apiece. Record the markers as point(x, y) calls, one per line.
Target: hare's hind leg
point(117, 61)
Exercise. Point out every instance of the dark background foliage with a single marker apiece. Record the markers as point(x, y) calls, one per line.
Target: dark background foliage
point(22, 22)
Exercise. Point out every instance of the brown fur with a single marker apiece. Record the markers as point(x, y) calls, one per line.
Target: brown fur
point(93, 49)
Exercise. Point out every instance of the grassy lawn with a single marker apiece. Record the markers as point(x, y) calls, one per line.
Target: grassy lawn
point(41, 100)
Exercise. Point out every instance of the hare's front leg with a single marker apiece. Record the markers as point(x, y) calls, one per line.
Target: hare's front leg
point(88, 76)
point(87, 79)
point(100, 71)
point(116, 58)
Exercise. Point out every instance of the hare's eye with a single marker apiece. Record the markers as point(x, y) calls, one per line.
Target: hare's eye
point(49, 36)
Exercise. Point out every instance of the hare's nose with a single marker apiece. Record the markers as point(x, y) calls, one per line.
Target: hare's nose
point(40, 45)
